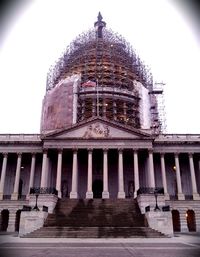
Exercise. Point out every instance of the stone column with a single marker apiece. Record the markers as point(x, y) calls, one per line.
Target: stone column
point(14, 195)
point(121, 193)
point(164, 179)
point(93, 107)
point(151, 177)
point(178, 178)
point(32, 173)
point(74, 193)
point(136, 173)
point(193, 178)
point(114, 110)
point(104, 107)
point(3, 174)
point(105, 193)
point(44, 170)
point(89, 193)
point(59, 173)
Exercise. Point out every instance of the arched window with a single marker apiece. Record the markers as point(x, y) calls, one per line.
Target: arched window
point(191, 220)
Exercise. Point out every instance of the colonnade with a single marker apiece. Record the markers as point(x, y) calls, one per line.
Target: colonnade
point(105, 193)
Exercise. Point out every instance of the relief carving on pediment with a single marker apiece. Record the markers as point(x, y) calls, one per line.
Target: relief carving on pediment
point(97, 130)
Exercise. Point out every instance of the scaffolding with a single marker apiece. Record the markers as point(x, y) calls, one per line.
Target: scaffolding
point(158, 108)
point(109, 68)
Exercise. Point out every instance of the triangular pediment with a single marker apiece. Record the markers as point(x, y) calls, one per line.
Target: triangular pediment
point(99, 128)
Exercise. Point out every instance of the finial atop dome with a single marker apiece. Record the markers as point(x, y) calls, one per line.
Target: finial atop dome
point(99, 25)
point(99, 17)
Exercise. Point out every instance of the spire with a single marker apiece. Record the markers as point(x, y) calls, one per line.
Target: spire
point(99, 25)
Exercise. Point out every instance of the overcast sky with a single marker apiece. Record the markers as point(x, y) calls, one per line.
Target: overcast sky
point(36, 33)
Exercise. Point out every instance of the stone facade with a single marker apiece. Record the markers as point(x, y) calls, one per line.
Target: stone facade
point(112, 161)
point(100, 138)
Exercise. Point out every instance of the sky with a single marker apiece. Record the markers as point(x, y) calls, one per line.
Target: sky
point(34, 34)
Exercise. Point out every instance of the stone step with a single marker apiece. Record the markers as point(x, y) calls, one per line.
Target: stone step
point(95, 232)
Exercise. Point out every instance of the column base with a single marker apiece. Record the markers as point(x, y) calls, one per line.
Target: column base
point(181, 196)
point(167, 196)
point(1, 196)
point(89, 195)
point(121, 195)
point(105, 195)
point(14, 196)
point(59, 194)
point(73, 195)
point(196, 196)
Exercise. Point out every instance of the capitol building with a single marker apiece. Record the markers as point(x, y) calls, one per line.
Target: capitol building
point(102, 159)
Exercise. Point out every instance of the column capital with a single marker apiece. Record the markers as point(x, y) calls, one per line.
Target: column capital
point(60, 150)
point(150, 150)
point(191, 154)
point(19, 154)
point(176, 154)
point(45, 150)
point(120, 150)
point(135, 150)
point(90, 149)
point(33, 154)
point(75, 150)
point(162, 154)
point(5, 154)
point(105, 150)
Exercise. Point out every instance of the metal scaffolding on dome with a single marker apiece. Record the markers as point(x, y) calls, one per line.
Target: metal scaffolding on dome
point(109, 65)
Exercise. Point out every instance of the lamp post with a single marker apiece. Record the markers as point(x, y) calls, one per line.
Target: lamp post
point(35, 208)
point(156, 197)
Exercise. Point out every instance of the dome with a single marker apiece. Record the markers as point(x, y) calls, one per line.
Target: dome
point(104, 56)
point(113, 83)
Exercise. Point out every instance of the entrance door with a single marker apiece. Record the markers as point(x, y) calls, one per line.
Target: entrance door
point(4, 220)
point(176, 220)
point(191, 222)
point(97, 188)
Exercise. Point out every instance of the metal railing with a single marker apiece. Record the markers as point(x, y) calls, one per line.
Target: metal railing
point(150, 190)
point(43, 190)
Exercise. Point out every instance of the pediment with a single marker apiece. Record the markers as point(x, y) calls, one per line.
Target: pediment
point(99, 128)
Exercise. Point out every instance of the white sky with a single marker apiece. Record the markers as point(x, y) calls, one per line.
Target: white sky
point(38, 34)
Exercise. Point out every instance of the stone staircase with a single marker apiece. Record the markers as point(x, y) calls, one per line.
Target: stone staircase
point(95, 218)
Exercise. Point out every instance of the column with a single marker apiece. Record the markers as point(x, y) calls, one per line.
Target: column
point(104, 107)
point(114, 110)
point(136, 172)
point(59, 173)
point(105, 193)
point(74, 193)
point(164, 179)
point(121, 193)
point(151, 177)
point(178, 178)
point(89, 193)
point(3, 174)
point(14, 195)
point(93, 107)
point(44, 170)
point(193, 178)
point(32, 173)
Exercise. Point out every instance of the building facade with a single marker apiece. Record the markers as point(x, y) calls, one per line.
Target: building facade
point(101, 137)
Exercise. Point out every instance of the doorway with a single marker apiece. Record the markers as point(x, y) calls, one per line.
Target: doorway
point(97, 188)
point(4, 220)
point(17, 220)
point(191, 222)
point(176, 221)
